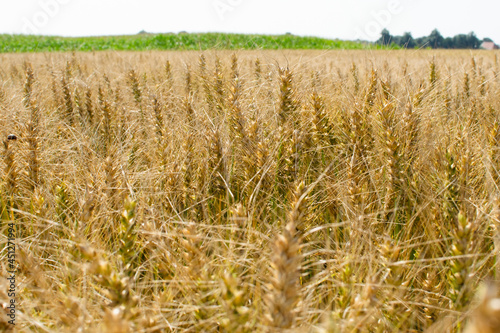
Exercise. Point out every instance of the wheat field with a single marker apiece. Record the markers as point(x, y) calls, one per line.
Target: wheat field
point(252, 191)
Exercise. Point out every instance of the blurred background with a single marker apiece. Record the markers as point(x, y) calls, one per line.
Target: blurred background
point(347, 20)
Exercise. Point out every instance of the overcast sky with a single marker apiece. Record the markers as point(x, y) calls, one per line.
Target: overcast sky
point(344, 19)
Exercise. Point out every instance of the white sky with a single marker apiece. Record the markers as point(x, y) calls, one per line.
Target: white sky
point(344, 19)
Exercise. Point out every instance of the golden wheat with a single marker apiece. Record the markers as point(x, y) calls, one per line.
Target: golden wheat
point(252, 191)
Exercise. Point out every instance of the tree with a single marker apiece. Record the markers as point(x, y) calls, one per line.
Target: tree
point(460, 42)
point(472, 41)
point(385, 38)
point(435, 39)
point(421, 42)
point(407, 41)
point(448, 43)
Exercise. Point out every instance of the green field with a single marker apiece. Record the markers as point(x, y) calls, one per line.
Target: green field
point(182, 41)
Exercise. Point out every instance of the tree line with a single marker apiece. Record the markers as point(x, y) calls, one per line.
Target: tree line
point(435, 40)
